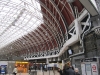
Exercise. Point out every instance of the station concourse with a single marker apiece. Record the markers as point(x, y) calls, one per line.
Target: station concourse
point(38, 37)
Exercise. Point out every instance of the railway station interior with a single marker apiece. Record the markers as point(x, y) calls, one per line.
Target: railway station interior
point(40, 36)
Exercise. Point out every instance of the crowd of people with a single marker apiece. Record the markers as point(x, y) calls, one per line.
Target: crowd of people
point(68, 70)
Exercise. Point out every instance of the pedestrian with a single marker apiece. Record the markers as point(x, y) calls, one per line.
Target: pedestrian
point(68, 69)
point(76, 71)
point(15, 70)
point(64, 69)
point(29, 69)
point(60, 71)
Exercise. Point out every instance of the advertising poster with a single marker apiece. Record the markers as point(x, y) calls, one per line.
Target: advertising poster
point(3, 69)
point(88, 69)
point(83, 69)
point(94, 69)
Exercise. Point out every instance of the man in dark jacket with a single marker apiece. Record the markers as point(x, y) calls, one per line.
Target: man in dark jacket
point(68, 69)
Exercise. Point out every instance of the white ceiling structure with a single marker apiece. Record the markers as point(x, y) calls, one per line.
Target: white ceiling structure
point(18, 19)
point(36, 27)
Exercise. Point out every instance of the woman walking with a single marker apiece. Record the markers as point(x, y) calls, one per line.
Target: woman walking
point(15, 70)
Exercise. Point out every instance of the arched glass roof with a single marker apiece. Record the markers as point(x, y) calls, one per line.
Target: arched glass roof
point(17, 18)
point(35, 28)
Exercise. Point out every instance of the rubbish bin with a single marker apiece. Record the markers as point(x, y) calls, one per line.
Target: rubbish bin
point(33, 73)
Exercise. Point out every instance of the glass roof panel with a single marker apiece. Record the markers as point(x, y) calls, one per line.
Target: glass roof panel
point(18, 18)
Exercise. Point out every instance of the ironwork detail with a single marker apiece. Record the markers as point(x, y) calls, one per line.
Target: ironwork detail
point(85, 24)
point(42, 54)
point(71, 32)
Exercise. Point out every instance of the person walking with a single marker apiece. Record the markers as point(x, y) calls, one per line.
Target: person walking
point(60, 71)
point(15, 70)
point(29, 69)
point(68, 69)
point(76, 71)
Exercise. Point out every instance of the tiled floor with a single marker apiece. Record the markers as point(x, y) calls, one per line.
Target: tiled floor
point(40, 73)
point(48, 73)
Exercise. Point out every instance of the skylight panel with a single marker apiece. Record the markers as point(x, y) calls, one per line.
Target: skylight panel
point(18, 18)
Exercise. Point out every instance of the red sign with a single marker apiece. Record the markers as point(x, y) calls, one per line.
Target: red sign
point(94, 68)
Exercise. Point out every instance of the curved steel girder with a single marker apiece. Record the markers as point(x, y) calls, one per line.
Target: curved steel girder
point(40, 31)
point(52, 16)
point(47, 26)
point(19, 43)
point(25, 46)
point(60, 30)
point(32, 36)
point(52, 24)
point(50, 29)
point(47, 36)
point(29, 33)
point(57, 38)
point(26, 41)
point(37, 34)
point(42, 35)
point(60, 14)
point(30, 42)
point(53, 32)
point(14, 47)
point(20, 46)
point(71, 9)
point(22, 43)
